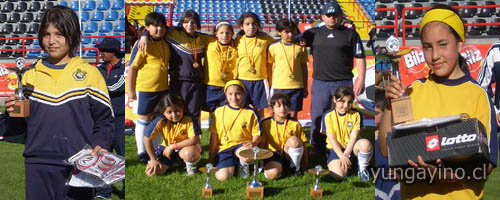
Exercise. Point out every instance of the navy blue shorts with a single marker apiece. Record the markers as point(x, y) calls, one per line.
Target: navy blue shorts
point(214, 98)
point(227, 158)
point(193, 94)
point(174, 157)
point(46, 181)
point(333, 156)
point(278, 157)
point(256, 93)
point(296, 97)
point(146, 101)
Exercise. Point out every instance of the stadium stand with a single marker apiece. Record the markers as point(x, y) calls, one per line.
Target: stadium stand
point(472, 15)
point(98, 18)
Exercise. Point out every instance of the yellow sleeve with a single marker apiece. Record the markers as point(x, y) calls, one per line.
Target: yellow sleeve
point(137, 57)
point(484, 113)
point(270, 56)
point(190, 129)
point(357, 122)
point(157, 130)
point(255, 125)
point(300, 131)
point(330, 127)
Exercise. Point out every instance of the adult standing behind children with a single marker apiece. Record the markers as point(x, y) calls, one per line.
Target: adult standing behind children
point(333, 46)
point(70, 108)
point(113, 72)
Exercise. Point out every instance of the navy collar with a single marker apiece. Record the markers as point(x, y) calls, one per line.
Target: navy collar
point(233, 107)
point(451, 82)
point(52, 66)
point(341, 114)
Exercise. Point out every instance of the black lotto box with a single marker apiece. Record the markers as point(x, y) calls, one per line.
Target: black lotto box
point(454, 140)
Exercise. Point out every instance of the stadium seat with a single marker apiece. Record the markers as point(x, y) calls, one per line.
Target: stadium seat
point(487, 12)
point(6, 53)
point(75, 5)
point(106, 27)
point(14, 18)
point(112, 15)
point(8, 7)
point(28, 41)
point(46, 5)
point(33, 54)
point(12, 41)
point(91, 27)
point(85, 16)
point(2, 42)
point(86, 40)
point(414, 14)
point(38, 17)
point(27, 17)
point(495, 29)
point(122, 16)
point(3, 18)
point(20, 28)
point(478, 30)
point(89, 6)
point(386, 1)
point(468, 12)
point(118, 5)
point(33, 28)
point(120, 26)
point(385, 32)
point(408, 30)
point(63, 3)
point(98, 16)
point(104, 5)
point(399, 8)
point(21, 7)
point(34, 7)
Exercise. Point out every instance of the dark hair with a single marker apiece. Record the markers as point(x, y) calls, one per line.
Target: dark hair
point(380, 100)
point(245, 15)
point(190, 15)
point(66, 22)
point(155, 19)
point(462, 63)
point(228, 25)
point(343, 91)
point(286, 24)
point(282, 98)
point(167, 100)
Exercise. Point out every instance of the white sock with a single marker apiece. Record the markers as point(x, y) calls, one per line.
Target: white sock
point(140, 126)
point(296, 156)
point(363, 160)
point(192, 164)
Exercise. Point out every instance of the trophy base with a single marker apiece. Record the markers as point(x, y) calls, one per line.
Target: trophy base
point(316, 194)
point(206, 193)
point(401, 109)
point(21, 108)
point(255, 192)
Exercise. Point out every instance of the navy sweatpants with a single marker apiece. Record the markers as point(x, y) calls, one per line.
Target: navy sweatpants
point(321, 101)
point(193, 95)
point(46, 181)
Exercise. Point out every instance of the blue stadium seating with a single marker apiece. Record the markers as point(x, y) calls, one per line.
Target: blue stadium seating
point(98, 16)
point(91, 27)
point(75, 5)
point(84, 16)
point(90, 5)
point(112, 15)
point(118, 5)
point(86, 40)
point(103, 5)
point(106, 27)
point(120, 26)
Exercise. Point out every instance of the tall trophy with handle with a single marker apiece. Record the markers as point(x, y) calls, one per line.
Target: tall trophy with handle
point(22, 105)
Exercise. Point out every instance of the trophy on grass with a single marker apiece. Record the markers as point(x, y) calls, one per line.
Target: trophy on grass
point(316, 191)
point(22, 105)
point(206, 191)
point(401, 107)
point(255, 190)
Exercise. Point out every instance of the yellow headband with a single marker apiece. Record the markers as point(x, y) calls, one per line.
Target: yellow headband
point(446, 16)
point(234, 82)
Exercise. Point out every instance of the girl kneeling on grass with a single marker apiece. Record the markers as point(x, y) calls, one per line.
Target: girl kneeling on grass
point(234, 128)
point(342, 126)
point(180, 138)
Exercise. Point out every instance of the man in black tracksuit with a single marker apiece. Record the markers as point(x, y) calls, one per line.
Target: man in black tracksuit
point(113, 71)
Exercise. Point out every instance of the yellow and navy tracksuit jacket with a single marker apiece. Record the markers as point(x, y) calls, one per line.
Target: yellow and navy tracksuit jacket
point(70, 107)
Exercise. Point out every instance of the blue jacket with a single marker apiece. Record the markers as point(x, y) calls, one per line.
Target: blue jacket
point(115, 81)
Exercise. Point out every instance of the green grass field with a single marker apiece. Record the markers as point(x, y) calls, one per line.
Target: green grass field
point(176, 185)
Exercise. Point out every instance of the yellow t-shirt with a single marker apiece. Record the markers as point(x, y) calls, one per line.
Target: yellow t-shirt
point(234, 126)
point(282, 57)
point(173, 132)
point(151, 65)
point(341, 126)
point(252, 53)
point(220, 58)
point(436, 98)
point(275, 134)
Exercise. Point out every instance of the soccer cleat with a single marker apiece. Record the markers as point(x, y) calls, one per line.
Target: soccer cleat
point(191, 170)
point(143, 157)
point(244, 171)
point(364, 175)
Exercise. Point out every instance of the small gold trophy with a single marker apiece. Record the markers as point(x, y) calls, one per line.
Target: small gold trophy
point(401, 107)
point(22, 105)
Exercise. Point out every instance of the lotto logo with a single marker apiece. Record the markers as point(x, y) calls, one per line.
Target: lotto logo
point(432, 143)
